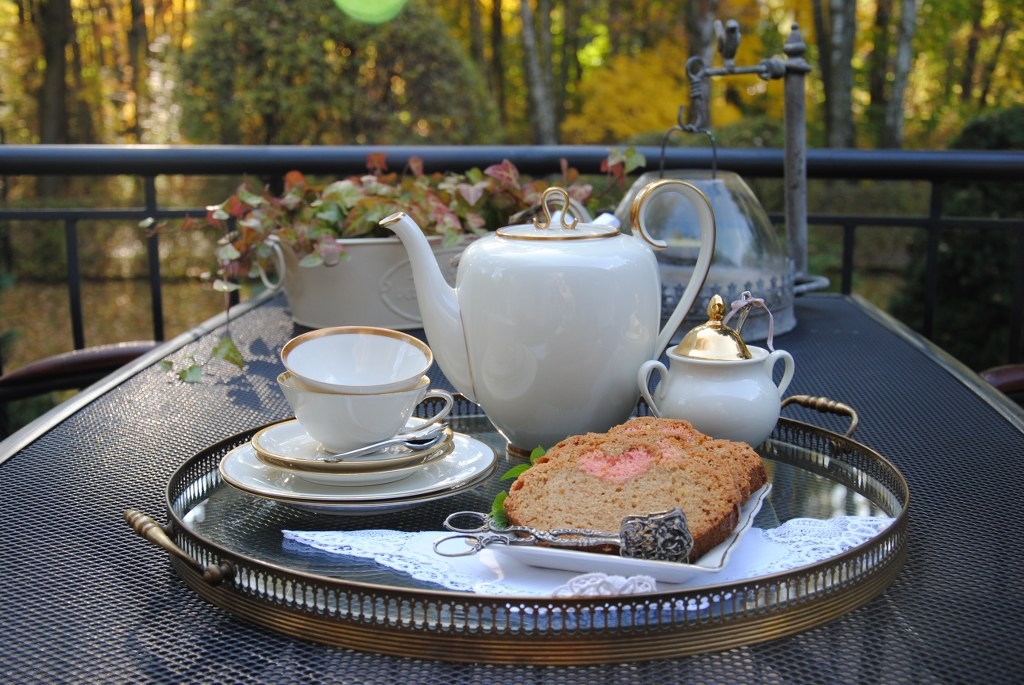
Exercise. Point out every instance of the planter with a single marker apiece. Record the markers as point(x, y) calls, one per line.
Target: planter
point(372, 287)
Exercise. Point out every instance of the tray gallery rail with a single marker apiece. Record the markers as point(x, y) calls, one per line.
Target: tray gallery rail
point(227, 546)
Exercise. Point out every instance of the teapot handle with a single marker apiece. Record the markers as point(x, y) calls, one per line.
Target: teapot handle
point(706, 217)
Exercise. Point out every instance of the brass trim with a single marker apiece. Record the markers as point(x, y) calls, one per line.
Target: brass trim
point(371, 330)
point(826, 405)
point(149, 529)
point(392, 219)
point(567, 230)
point(465, 627)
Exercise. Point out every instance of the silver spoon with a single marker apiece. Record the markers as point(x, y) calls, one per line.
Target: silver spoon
point(418, 440)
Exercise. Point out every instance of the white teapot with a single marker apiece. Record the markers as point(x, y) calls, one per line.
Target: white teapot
point(548, 322)
point(719, 384)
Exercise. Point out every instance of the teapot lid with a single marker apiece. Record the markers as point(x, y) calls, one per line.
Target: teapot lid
point(561, 224)
point(713, 340)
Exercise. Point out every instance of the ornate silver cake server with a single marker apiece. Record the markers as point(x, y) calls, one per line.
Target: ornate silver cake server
point(663, 536)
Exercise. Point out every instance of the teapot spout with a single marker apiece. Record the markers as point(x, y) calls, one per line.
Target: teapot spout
point(438, 303)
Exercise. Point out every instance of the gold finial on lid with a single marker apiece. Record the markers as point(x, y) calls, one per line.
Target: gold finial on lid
point(713, 340)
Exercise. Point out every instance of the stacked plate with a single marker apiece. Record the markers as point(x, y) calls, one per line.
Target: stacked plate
point(282, 462)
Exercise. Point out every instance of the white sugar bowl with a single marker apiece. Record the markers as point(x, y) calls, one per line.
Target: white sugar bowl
point(718, 383)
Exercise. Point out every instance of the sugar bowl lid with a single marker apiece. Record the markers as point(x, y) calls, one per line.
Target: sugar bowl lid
point(713, 340)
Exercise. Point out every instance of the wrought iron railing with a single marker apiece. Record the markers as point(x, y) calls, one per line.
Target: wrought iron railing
point(937, 168)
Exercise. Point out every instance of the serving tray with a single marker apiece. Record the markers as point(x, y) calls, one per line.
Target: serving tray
point(227, 546)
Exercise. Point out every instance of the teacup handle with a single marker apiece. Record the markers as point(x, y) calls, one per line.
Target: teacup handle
point(787, 371)
point(643, 379)
point(443, 412)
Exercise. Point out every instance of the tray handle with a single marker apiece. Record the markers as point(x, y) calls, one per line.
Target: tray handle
point(152, 531)
point(826, 406)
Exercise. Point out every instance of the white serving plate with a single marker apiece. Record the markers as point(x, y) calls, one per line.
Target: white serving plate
point(664, 571)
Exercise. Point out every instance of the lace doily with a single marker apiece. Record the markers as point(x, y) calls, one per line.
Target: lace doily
point(796, 543)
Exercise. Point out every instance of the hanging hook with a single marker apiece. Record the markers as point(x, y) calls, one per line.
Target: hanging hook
point(688, 128)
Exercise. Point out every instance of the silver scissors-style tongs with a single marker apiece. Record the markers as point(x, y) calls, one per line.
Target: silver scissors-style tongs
point(664, 536)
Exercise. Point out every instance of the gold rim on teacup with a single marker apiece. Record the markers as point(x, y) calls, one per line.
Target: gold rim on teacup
point(403, 382)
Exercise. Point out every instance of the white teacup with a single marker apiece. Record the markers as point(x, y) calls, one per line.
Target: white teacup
point(347, 421)
point(357, 359)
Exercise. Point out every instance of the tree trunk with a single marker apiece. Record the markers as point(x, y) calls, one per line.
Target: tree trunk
point(547, 63)
point(839, 92)
point(81, 128)
point(892, 129)
point(542, 110)
point(990, 68)
point(971, 54)
point(137, 47)
point(498, 61)
point(879, 65)
point(54, 26)
point(476, 34)
point(569, 65)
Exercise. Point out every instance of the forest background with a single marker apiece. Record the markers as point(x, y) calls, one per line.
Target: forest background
point(887, 73)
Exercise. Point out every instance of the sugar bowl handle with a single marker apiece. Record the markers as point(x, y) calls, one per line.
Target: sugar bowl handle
point(787, 370)
point(643, 379)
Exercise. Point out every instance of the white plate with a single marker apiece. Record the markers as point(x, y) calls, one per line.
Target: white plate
point(469, 458)
point(391, 505)
point(664, 571)
point(287, 445)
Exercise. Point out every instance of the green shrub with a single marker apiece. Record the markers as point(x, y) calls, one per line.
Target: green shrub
point(975, 267)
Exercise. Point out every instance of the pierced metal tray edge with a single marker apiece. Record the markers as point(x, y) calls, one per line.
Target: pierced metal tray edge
point(458, 626)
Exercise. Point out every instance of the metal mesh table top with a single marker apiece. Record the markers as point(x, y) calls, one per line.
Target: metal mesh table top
point(85, 600)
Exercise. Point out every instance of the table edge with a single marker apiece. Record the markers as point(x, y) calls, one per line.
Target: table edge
point(31, 432)
point(1007, 408)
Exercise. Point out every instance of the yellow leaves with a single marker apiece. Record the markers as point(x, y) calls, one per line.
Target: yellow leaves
point(630, 96)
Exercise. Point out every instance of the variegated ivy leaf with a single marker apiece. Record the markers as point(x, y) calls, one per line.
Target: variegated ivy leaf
point(312, 259)
point(218, 212)
point(227, 253)
point(223, 286)
point(192, 374)
point(331, 213)
point(250, 198)
point(251, 221)
point(345, 193)
point(227, 350)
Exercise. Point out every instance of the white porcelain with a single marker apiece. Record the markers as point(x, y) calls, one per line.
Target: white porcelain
point(342, 422)
point(546, 327)
point(736, 400)
point(287, 445)
point(375, 277)
point(715, 561)
point(468, 461)
point(376, 477)
point(356, 359)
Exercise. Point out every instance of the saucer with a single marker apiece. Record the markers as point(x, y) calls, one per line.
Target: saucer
point(287, 445)
point(357, 478)
point(469, 461)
